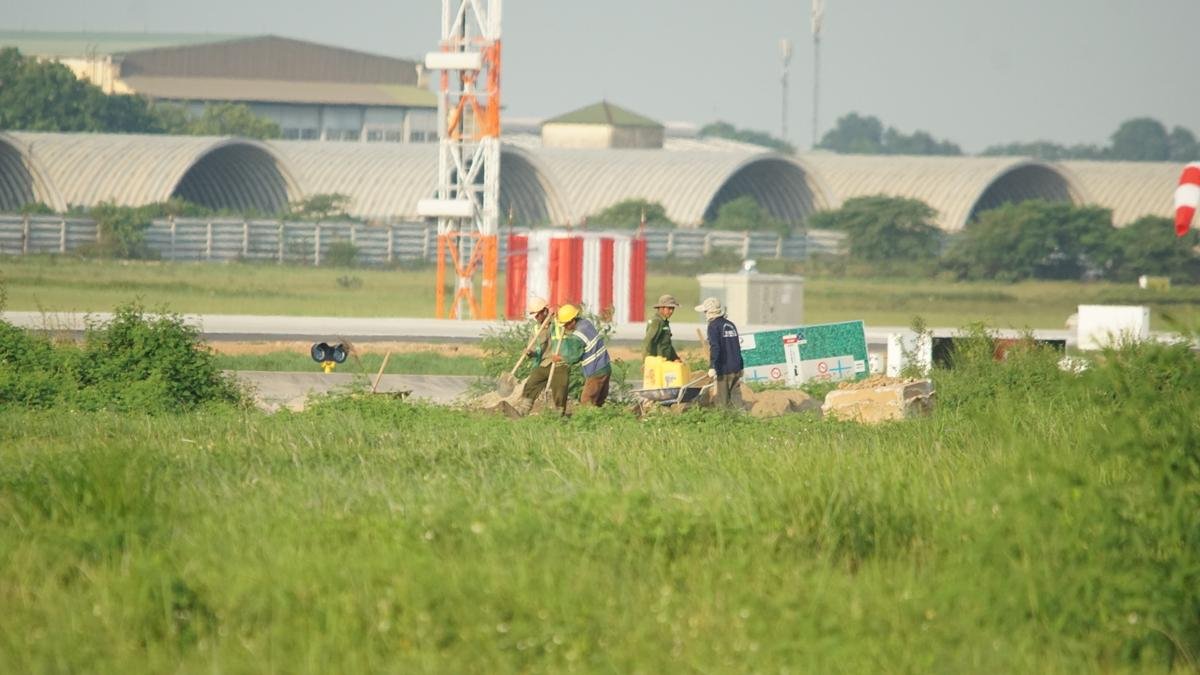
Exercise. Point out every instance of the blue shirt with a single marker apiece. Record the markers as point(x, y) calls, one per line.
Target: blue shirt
point(724, 350)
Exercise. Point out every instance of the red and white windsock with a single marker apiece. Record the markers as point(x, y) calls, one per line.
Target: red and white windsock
point(1187, 198)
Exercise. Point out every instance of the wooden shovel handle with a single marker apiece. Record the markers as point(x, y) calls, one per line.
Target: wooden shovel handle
point(536, 333)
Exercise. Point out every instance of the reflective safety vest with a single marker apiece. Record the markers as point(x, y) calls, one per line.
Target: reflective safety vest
point(595, 354)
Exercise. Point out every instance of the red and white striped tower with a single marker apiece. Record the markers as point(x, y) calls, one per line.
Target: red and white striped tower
point(467, 203)
point(603, 271)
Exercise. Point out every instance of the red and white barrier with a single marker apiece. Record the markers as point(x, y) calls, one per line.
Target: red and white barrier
point(603, 271)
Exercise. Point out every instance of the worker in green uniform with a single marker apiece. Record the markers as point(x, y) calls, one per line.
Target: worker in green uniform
point(658, 330)
point(583, 345)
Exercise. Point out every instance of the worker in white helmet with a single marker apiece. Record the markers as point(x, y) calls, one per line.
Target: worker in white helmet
point(540, 354)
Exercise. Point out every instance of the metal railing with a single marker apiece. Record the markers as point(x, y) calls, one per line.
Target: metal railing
point(307, 243)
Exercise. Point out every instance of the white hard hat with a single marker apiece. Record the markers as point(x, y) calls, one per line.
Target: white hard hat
point(536, 305)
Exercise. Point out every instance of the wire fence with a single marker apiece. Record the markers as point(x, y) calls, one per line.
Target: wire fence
point(308, 243)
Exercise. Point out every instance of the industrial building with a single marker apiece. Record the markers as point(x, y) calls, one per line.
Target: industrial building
point(312, 91)
point(551, 185)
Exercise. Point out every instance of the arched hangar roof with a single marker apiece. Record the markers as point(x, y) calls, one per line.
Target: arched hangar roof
point(957, 187)
point(1130, 189)
point(385, 180)
point(22, 179)
point(135, 169)
point(690, 185)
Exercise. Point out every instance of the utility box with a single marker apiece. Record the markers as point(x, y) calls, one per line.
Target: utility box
point(757, 299)
point(1103, 326)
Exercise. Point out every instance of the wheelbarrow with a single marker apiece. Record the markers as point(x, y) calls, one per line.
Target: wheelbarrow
point(673, 395)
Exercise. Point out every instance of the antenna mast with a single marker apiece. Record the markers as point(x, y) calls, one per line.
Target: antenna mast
point(467, 202)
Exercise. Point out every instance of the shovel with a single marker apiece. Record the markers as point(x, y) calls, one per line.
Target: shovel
point(508, 381)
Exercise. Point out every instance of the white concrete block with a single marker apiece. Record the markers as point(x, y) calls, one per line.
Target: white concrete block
point(902, 346)
point(1101, 326)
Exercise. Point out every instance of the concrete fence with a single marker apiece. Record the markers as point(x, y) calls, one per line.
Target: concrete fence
point(205, 239)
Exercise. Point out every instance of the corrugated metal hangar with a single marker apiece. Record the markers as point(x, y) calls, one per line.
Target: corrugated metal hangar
point(550, 185)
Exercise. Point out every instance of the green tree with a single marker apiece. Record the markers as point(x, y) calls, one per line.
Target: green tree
point(721, 129)
point(320, 207)
point(1141, 140)
point(628, 214)
point(1033, 239)
point(884, 228)
point(745, 214)
point(854, 134)
point(1149, 246)
point(230, 119)
point(1046, 150)
point(1181, 146)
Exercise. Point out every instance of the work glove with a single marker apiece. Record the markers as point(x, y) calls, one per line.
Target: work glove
point(712, 373)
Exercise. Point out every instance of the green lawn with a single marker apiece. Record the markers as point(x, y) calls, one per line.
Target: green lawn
point(1032, 524)
point(57, 284)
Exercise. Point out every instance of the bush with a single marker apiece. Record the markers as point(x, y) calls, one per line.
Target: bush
point(135, 362)
point(883, 228)
point(1032, 239)
point(629, 214)
point(745, 214)
point(1149, 246)
point(341, 253)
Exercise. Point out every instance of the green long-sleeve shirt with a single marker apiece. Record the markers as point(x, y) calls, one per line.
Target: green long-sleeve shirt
point(572, 353)
point(658, 339)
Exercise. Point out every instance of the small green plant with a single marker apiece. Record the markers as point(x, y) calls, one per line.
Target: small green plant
point(341, 253)
point(349, 282)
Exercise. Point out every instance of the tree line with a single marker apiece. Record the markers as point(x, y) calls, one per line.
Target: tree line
point(46, 96)
point(1028, 240)
point(1141, 139)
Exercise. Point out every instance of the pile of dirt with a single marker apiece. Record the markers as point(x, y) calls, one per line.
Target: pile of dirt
point(875, 382)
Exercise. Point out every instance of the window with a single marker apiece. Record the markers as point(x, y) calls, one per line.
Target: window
point(310, 134)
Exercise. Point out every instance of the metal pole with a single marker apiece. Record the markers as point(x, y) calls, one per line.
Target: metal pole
point(816, 84)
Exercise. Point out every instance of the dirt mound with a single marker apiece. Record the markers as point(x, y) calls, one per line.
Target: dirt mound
point(874, 382)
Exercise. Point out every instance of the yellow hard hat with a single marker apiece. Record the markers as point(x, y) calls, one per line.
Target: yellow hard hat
point(567, 312)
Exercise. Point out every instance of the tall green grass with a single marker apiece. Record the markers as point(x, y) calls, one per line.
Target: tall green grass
point(1037, 522)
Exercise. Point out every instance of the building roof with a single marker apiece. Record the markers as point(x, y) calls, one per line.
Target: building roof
point(280, 91)
point(689, 185)
point(133, 169)
point(66, 44)
point(269, 57)
point(1130, 189)
point(386, 180)
point(604, 113)
point(956, 187)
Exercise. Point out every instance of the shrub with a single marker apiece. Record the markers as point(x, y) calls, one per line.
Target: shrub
point(1033, 239)
point(341, 253)
point(746, 214)
point(883, 228)
point(629, 214)
point(135, 362)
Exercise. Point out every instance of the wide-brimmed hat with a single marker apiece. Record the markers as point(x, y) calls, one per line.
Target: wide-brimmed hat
point(536, 305)
point(709, 306)
point(666, 300)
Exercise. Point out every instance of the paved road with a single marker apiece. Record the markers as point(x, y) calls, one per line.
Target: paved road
point(244, 327)
point(274, 390)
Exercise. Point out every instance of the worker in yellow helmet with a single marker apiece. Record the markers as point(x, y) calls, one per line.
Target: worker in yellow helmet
point(583, 345)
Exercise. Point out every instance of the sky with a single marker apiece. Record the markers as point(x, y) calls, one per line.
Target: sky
point(976, 72)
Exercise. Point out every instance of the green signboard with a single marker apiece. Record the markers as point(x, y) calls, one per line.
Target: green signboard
point(829, 351)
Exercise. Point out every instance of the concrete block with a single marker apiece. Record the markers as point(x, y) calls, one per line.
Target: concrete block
point(1101, 326)
point(875, 401)
point(908, 348)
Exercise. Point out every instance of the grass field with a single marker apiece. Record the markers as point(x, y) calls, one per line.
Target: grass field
point(1037, 522)
point(60, 284)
